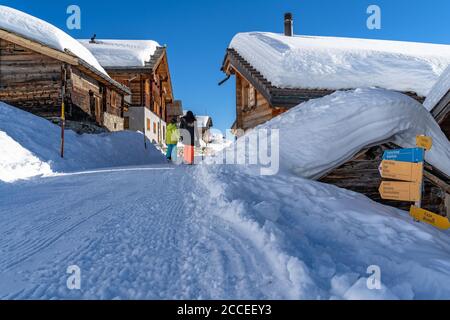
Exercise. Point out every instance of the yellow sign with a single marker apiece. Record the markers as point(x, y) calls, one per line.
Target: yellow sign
point(424, 142)
point(403, 171)
point(400, 191)
point(430, 218)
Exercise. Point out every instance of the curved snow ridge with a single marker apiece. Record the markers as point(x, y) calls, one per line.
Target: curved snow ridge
point(322, 134)
point(439, 90)
point(343, 63)
point(35, 29)
point(291, 277)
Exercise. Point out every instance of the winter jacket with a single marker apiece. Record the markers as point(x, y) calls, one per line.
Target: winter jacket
point(172, 134)
point(189, 124)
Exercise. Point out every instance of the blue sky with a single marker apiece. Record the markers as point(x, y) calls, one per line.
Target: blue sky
point(197, 32)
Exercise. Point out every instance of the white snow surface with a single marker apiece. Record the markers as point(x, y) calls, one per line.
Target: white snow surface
point(210, 232)
point(122, 53)
point(439, 90)
point(29, 147)
point(215, 231)
point(322, 134)
point(343, 63)
point(38, 30)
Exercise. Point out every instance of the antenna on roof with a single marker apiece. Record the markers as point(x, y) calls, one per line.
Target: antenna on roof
point(93, 39)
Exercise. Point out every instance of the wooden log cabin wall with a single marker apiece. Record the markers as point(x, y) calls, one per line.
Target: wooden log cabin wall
point(33, 80)
point(150, 86)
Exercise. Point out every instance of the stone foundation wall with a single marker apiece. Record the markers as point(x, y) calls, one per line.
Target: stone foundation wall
point(112, 122)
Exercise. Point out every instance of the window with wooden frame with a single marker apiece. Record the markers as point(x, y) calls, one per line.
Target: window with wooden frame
point(154, 127)
point(149, 126)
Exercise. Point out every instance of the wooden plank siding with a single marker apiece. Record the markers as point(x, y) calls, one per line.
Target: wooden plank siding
point(33, 82)
point(150, 86)
point(252, 112)
point(28, 79)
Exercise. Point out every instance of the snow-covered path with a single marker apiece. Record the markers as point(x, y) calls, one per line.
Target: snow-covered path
point(208, 232)
point(131, 236)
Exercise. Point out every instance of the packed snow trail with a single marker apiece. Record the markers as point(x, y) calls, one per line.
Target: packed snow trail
point(134, 234)
point(210, 233)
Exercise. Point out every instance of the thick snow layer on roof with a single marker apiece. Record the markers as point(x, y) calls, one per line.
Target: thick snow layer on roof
point(29, 147)
point(202, 121)
point(343, 63)
point(322, 134)
point(439, 90)
point(122, 53)
point(35, 29)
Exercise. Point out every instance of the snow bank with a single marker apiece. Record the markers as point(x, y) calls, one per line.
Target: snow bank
point(43, 32)
point(322, 134)
point(343, 63)
point(29, 146)
point(439, 90)
point(320, 240)
point(122, 53)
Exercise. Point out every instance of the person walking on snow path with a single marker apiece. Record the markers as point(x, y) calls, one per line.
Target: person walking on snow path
point(188, 124)
point(172, 137)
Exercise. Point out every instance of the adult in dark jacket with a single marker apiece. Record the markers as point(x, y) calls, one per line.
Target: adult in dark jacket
point(189, 127)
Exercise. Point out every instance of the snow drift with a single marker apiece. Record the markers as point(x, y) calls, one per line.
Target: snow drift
point(122, 53)
point(29, 146)
point(343, 63)
point(319, 240)
point(439, 90)
point(322, 134)
point(38, 30)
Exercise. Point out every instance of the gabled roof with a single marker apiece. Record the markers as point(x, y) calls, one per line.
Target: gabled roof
point(326, 63)
point(125, 54)
point(204, 121)
point(40, 36)
point(280, 97)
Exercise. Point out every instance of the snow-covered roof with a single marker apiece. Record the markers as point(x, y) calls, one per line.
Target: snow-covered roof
point(336, 127)
point(122, 53)
point(202, 121)
point(343, 63)
point(35, 29)
point(439, 90)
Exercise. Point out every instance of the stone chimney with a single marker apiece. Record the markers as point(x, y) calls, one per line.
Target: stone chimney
point(288, 25)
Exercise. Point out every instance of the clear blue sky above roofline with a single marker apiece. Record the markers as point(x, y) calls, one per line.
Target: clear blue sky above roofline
point(197, 32)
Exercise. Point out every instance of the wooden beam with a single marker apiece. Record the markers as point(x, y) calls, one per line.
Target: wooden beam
point(38, 47)
point(440, 183)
